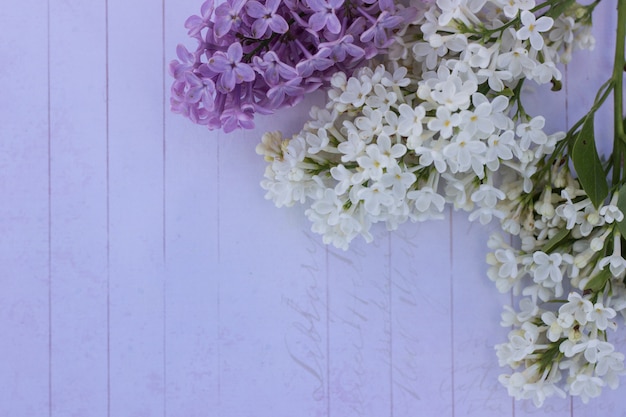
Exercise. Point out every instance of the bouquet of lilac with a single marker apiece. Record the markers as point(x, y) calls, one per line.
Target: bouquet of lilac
point(257, 57)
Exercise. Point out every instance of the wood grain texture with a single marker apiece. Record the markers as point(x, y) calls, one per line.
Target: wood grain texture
point(25, 212)
point(142, 272)
point(78, 202)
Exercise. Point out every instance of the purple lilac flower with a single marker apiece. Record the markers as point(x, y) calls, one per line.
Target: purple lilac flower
point(195, 24)
point(230, 68)
point(378, 31)
point(341, 48)
point(266, 18)
point(257, 56)
point(273, 68)
point(227, 16)
point(325, 15)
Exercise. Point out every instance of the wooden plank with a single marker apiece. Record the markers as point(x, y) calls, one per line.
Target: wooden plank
point(421, 318)
point(272, 286)
point(24, 211)
point(191, 230)
point(136, 239)
point(79, 208)
point(476, 307)
point(360, 313)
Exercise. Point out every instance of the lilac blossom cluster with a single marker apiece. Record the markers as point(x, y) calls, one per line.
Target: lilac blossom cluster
point(259, 56)
point(442, 121)
point(569, 273)
point(434, 125)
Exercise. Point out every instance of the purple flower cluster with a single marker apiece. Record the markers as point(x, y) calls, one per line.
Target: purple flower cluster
point(259, 56)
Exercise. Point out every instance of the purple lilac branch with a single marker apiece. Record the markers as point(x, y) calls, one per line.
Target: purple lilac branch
point(260, 56)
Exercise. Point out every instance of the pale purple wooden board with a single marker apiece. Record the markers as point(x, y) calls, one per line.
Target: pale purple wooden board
point(142, 273)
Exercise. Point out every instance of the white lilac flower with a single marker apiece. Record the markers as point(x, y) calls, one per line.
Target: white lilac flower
point(352, 148)
point(571, 212)
point(586, 386)
point(547, 267)
point(424, 52)
point(544, 387)
point(532, 132)
point(517, 62)
point(370, 124)
point(465, 152)
point(321, 118)
point(375, 198)
point(545, 72)
point(382, 99)
point(398, 180)
point(318, 141)
point(600, 315)
point(563, 30)
point(410, 120)
point(477, 56)
point(558, 325)
point(453, 93)
point(445, 122)
point(611, 212)
point(578, 306)
point(478, 121)
point(533, 27)
point(512, 7)
point(462, 10)
point(432, 155)
point(356, 92)
point(499, 148)
point(616, 263)
point(270, 146)
point(345, 178)
point(523, 341)
point(528, 310)
point(609, 367)
point(507, 263)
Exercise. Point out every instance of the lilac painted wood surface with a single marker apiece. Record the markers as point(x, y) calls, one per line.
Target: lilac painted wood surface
point(142, 273)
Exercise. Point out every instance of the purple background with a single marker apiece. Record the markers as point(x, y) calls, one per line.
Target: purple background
point(142, 273)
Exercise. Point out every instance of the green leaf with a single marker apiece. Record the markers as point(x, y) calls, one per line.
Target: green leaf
point(621, 205)
point(597, 283)
point(554, 241)
point(559, 8)
point(587, 164)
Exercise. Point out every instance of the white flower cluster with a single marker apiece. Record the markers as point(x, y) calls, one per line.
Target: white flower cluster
point(567, 247)
point(388, 148)
point(500, 41)
point(395, 144)
point(443, 122)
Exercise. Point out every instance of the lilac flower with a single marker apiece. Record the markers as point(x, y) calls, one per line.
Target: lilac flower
point(187, 62)
point(195, 24)
point(274, 69)
point(378, 31)
point(227, 16)
point(200, 89)
point(256, 56)
point(313, 63)
point(232, 71)
point(279, 93)
point(325, 15)
point(341, 48)
point(237, 118)
point(266, 17)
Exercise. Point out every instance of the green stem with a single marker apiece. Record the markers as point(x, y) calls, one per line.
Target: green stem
point(618, 91)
